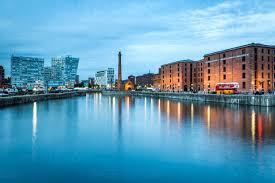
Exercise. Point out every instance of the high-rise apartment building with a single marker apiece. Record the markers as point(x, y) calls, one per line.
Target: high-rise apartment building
point(26, 71)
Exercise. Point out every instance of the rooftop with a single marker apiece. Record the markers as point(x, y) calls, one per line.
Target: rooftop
point(179, 61)
point(243, 46)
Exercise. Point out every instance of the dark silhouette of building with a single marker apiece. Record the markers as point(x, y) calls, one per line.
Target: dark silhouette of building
point(2, 75)
point(145, 80)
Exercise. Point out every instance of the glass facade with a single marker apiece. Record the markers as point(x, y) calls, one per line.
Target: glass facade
point(64, 70)
point(26, 71)
point(105, 78)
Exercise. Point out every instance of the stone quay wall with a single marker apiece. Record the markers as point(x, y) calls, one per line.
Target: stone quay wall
point(22, 99)
point(252, 100)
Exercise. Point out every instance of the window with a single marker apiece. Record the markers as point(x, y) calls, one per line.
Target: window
point(256, 66)
point(268, 51)
point(224, 77)
point(178, 74)
point(262, 50)
point(262, 75)
point(224, 55)
point(262, 66)
point(255, 50)
point(170, 81)
point(243, 59)
point(208, 71)
point(268, 66)
point(208, 78)
point(243, 75)
point(244, 85)
point(256, 57)
point(208, 64)
point(262, 58)
point(243, 51)
point(268, 58)
point(178, 80)
point(208, 58)
point(268, 75)
point(224, 62)
point(224, 69)
point(243, 67)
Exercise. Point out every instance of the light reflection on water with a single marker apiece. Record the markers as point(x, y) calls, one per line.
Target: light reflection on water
point(127, 139)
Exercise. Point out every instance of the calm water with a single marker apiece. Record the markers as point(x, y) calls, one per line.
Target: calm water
point(110, 139)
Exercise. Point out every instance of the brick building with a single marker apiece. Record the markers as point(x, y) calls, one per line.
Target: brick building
point(157, 81)
point(252, 66)
point(145, 80)
point(180, 76)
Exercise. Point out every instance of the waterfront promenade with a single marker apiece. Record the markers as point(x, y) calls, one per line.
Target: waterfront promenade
point(241, 99)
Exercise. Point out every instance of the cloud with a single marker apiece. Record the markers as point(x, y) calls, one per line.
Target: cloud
point(149, 33)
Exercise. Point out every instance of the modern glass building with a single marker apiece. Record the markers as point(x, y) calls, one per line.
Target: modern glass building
point(105, 78)
point(26, 71)
point(64, 70)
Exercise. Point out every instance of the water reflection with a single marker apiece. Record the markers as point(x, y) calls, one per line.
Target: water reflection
point(136, 137)
point(34, 122)
point(249, 123)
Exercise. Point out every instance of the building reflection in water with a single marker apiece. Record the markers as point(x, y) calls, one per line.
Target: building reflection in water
point(249, 123)
point(253, 128)
point(34, 122)
point(208, 118)
point(145, 109)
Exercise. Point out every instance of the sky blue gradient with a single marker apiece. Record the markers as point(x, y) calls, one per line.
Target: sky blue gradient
point(149, 33)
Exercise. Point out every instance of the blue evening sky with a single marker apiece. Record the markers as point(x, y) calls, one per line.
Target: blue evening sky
point(149, 33)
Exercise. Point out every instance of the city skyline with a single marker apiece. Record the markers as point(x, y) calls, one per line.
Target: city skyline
point(174, 31)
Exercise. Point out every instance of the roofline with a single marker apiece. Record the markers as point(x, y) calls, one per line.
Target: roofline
point(243, 46)
point(179, 61)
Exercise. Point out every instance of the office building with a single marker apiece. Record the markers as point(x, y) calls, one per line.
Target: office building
point(64, 70)
point(26, 71)
point(105, 78)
